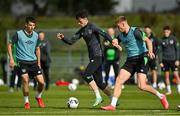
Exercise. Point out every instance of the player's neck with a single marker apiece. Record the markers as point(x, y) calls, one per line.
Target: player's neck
point(127, 29)
point(27, 32)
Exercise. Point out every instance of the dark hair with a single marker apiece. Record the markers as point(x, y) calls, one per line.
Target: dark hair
point(120, 19)
point(82, 14)
point(30, 19)
point(147, 26)
point(166, 27)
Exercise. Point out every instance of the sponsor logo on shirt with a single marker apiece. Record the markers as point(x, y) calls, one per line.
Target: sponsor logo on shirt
point(29, 42)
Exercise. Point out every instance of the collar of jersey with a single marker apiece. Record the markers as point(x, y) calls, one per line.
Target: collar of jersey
point(29, 36)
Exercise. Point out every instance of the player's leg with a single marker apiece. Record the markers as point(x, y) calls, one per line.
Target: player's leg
point(168, 84)
point(25, 81)
point(153, 67)
point(46, 77)
point(174, 68)
point(12, 80)
point(166, 69)
point(123, 76)
point(154, 76)
point(23, 72)
point(88, 77)
point(107, 69)
point(142, 84)
point(37, 73)
point(99, 81)
point(40, 87)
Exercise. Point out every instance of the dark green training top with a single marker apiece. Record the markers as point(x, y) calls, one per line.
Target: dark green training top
point(90, 34)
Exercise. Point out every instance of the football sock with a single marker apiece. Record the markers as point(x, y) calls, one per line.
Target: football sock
point(169, 88)
point(38, 95)
point(114, 101)
point(97, 93)
point(26, 99)
point(159, 95)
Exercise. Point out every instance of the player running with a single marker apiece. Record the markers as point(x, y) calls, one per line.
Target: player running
point(28, 58)
point(93, 72)
point(134, 41)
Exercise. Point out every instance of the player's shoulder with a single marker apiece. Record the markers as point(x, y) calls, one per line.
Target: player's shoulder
point(173, 37)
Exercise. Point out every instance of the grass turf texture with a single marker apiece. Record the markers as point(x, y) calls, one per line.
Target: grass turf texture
point(132, 102)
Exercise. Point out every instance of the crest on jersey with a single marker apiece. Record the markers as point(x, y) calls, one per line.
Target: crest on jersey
point(90, 31)
point(171, 42)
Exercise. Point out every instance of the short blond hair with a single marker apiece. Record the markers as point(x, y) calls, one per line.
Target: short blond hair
point(121, 18)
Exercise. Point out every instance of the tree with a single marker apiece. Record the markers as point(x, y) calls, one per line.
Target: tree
point(93, 6)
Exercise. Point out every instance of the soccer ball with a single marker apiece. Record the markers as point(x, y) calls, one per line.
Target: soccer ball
point(72, 87)
point(72, 103)
point(161, 85)
point(75, 81)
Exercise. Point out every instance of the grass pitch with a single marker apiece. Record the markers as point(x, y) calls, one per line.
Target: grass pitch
point(132, 102)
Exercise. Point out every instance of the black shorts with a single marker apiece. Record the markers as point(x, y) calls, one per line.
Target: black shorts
point(169, 64)
point(152, 64)
point(136, 64)
point(29, 67)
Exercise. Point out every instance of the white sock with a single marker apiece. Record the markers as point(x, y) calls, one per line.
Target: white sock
point(169, 88)
point(159, 95)
point(178, 88)
point(38, 95)
point(155, 85)
point(114, 101)
point(26, 99)
point(97, 93)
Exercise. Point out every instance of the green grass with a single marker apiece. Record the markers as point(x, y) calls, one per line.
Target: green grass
point(132, 102)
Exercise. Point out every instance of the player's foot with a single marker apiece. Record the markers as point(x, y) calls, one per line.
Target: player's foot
point(97, 101)
point(164, 102)
point(27, 105)
point(40, 102)
point(168, 93)
point(109, 107)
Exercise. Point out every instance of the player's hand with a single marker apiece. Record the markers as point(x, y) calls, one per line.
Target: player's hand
point(115, 42)
point(177, 63)
point(11, 64)
point(151, 55)
point(60, 36)
point(161, 65)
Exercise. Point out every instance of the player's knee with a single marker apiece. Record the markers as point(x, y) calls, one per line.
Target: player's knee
point(119, 80)
point(25, 81)
point(102, 86)
point(142, 87)
point(88, 79)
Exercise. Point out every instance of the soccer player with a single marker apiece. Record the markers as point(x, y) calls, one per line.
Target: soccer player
point(112, 56)
point(152, 62)
point(28, 58)
point(93, 72)
point(169, 59)
point(134, 40)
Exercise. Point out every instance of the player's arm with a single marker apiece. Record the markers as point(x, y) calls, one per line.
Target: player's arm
point(12, 41)
point(107, 37)
point(142, 36)
point(160, 51)
point(177, 52)
point(38, 53)
point(69, 41)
